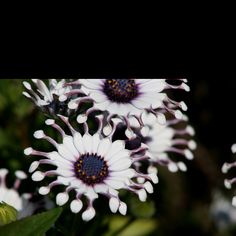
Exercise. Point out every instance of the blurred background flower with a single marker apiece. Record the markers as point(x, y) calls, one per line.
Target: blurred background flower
point(183, 203)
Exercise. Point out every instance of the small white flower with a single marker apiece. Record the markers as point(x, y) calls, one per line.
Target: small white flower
point(51, 99)
point(128, 97)
point(163, 139)
point(225, 168)
point(90, 165)
point(12, 197)
point(222, 211)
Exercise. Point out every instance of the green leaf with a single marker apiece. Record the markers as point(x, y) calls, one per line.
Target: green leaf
point(35, 225)
point(7, 213)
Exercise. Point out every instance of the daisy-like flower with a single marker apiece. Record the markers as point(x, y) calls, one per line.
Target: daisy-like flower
point(163, 139)
point(89, 165)
point(222, 212)
point(12, 197)
point(225, 168)
point(128, 97)
point(48, 98)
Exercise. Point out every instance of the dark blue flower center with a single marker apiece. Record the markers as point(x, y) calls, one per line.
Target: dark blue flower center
point(120, 90)
point(91, 168)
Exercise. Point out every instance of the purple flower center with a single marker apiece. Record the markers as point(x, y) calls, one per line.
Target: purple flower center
point(91, 168)
point(120, 90)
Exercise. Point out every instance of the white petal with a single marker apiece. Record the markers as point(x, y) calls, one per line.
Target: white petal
point(72, 105)
point(95, 142)
point(123, 208)
point(88, 214)
point(120, 165)
point(20, 174)
point(3, 172)
point(233, 148)
point(27, 85)
point(79, 143)
point(141, 180)
point(114, 183)
point(148, 186)
point(192, 145)
point(182, 166)
point(190, 130)
point(107, 130)
point(178, 114)
point(188, 154)
point(104, 147)
point(94, 85)
point(62, 198)
point(65, 152)
point(44, 90)
point(154, 178)
point(26, 94)
point(76, 183)
point(227, 184)
point(183, 106)
point(113, 192)
point(98, 96)
point(49, 122)
point(28, 151)
point(114, 204)
point(39, 134)
point(100, 188)
point(68, 142)
point(124, 173)
point(234, 201)
point(225, 168)
point(37, 176)
point(172, 167)
point(81, 118)
point(56, 157)
point(154, 99)
point(142, 81)
point(76, 205)
point(142, 195)
point(119, 109)
point(90, 193)
point(113, 107)
point(152, 169)
point(186, 87)
point(44, 190)
point(153, 85)
point(102, 105)
point(141, 104)
point(87, 143)
point(82, 189)
point(65, 172)
point(117, 146)
point(124, 154)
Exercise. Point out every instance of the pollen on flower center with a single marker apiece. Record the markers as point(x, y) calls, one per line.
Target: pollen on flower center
point(91, 168)
point(120, 90)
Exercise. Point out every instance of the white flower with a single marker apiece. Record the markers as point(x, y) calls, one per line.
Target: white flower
point(222, 211)
point(89, 165)
point(225, 168)
point(50, 99)
point(163, 139)
point(129, 97)
point(12, 197)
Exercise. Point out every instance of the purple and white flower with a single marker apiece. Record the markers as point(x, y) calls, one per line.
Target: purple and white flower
point(48, 98)
point(11, 196)
point(88, 165)
point(127, 98)
point(163, 139)
point(225, 168)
